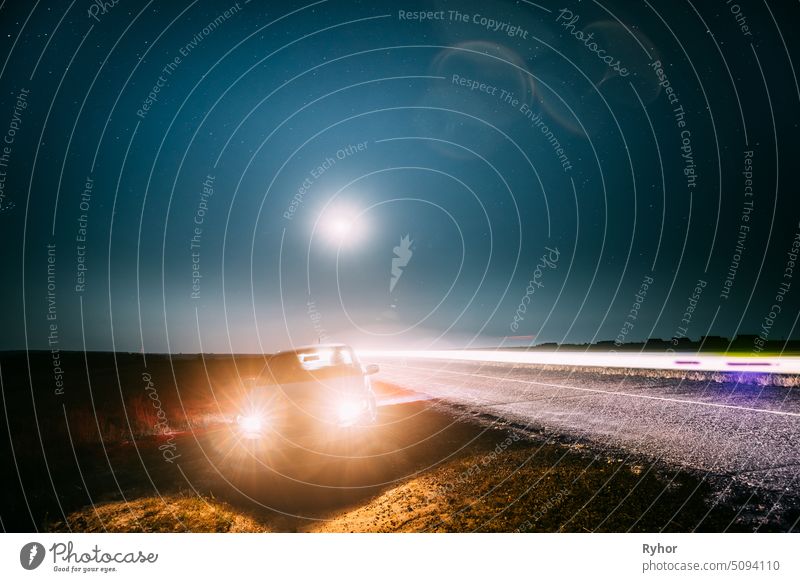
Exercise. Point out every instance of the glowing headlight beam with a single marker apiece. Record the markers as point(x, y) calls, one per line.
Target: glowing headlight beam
point(647, 361)
point(349, 411)
point(251, 423)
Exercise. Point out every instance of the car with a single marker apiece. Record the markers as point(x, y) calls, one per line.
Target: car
point(318, 390)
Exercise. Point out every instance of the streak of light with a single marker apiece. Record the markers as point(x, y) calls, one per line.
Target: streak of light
point(648, 361)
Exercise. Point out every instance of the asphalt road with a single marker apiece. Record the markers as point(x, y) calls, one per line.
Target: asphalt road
point(744, 431)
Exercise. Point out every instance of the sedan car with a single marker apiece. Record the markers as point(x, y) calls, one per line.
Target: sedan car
point(319, 390)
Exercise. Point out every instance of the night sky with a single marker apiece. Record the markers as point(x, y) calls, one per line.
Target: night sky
point(218, 176)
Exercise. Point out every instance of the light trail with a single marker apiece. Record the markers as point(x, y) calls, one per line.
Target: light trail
point(533, 383)
point(645, 361)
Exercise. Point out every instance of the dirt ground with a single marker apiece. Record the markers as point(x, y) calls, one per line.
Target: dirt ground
point(443, 473)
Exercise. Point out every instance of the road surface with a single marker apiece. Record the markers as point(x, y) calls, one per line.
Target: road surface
point(744, 431)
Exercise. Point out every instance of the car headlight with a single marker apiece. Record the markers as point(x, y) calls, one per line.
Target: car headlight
point(251, 423)
point(349, 411)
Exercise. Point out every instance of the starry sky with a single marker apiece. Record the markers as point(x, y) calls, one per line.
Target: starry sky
point(245, 176)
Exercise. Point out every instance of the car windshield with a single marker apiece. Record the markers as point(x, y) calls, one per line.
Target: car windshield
point(309, 365)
